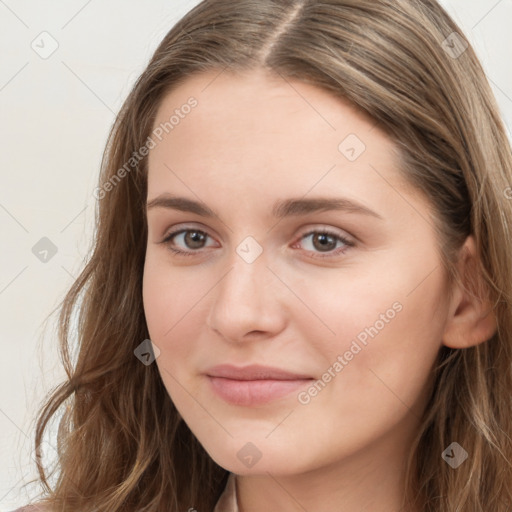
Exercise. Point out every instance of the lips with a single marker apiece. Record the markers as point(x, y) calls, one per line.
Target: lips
point(254, 372)
point(254, 384)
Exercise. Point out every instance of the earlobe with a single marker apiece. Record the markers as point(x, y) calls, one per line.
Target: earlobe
point(471, 319)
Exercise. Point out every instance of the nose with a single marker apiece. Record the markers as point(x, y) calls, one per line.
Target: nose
point(248, 302)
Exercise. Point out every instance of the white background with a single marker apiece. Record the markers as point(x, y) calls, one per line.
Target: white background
point(55, 117)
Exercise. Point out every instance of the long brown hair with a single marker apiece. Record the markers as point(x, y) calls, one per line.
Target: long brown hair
point(122, 444)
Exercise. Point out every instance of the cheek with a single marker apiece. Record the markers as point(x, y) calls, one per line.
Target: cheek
point(389, 319)
point(382, 355)
point(167, 308)
point(168, 297)
point(174, 306)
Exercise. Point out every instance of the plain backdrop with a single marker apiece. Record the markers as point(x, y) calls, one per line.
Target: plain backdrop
point(66, 68)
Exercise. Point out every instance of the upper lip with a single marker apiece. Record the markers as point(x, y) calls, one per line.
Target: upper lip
point(254, 372)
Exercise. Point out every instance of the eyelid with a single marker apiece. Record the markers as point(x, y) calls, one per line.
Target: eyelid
point(306, 231)
point(331, 230)
point(348, 241)
point(178, 230)
point(184, 226)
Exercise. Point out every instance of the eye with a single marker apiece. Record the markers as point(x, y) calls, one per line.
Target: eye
point(193, 238)
point(325, 241)
point(322, 240)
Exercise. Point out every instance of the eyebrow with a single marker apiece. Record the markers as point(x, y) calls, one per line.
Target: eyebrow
point(281, 209)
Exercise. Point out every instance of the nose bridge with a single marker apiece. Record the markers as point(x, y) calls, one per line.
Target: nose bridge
point(245, 300)
point(248, 262)
point(246, 283)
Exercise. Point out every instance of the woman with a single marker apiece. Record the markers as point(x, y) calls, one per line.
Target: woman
point(229, 357)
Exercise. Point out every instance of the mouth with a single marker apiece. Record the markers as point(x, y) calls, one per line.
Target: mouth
point(255, 384)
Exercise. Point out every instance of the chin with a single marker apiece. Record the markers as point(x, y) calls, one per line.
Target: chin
point(259, 457)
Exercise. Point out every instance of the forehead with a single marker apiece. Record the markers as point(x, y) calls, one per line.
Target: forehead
point(262, 102)
point(260, 132)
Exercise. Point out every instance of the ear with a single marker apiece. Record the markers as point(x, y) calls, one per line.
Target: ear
point(471, 318)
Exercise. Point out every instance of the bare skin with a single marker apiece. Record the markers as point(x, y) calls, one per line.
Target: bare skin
point(253, 140)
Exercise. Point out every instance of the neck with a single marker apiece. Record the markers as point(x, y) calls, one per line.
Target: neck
point(368, 480)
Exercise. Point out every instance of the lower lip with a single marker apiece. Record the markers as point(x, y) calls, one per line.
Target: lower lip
point(254, 392)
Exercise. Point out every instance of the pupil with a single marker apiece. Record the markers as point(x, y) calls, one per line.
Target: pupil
point(323, 238)
point(196, 237)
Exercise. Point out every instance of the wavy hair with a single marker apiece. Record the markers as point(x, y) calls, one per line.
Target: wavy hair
point(122, 445)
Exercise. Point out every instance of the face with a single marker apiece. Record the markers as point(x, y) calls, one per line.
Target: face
point(344, 304)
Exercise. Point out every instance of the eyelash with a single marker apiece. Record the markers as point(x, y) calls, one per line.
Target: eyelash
point(348, 244)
